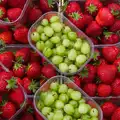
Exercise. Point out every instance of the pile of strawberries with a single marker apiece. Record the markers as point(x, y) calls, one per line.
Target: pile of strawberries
point(99, 21)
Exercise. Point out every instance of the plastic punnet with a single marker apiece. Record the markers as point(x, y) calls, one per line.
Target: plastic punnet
point(70, 84)
point(72, 26)
point(20, 18)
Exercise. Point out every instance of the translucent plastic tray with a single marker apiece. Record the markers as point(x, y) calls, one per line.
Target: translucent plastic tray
point(73, 27)
point(70, 84)
point(105, 2)
point(20, 18)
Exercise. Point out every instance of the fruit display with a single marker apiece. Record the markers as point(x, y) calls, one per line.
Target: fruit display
point(99, 20)
point(58, 100)
point(69, 50)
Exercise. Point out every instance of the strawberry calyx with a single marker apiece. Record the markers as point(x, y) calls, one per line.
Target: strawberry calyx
point(33, 86)
point(17, 66)
point(118, 68)
point(115, 12)
point(107, 34)
point(30, 109)
point(75, 15)
point(95, 56)
point(92, 8)
point(12, 83)
point(6, 19)
point(2, 45)
point(84, 72)
point(19, 59)
point(1, 13)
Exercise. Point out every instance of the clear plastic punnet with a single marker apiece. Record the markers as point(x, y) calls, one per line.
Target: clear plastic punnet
point(73, 27)
point(20, 18)
point(70, 84)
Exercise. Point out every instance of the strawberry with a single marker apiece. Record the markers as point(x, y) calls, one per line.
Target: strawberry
point(104, 90)
point(30, 85)
point(104, 17)
point(34, 14)
point(107, 73)
point(93, 29)
point(77, 80)
point(102, 61)
point(6, 37)
point(88, 73)
point(88, 19)
point(17, 96)
point(7, 58)
point(2, 12)
point(117, 64)
point(19, 70)
point(72, 7)
point(35, 57)
point(110, 53)
point(44, 6)
point(90, 89)
point(115, 27)
point(3, 2)
point(13, 13)
point(94, 40)
point(109, 38)
point(27, 116)
point(108, 108)
point(115, 9)
point(18, 3)
point(20, 81)
point(20, 34)
point(23, 54)
point(96, 55)
point(116, 87)
point(48, 71)
point(37, 116)
point(34, 70)
point(77, 18)
point(116, 114)
point(8, 109)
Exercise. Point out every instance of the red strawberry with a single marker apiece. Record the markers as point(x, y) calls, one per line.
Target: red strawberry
point(90, 89)
point(8, 109)
point(4, 28)
point(17, 96)
point(6, 37)
point(19, 81)
point(116, 114)
point(35, 57)
point(19, 70)
point(72, 7)
point(104, 17)
point(102, 61)
point(7, 58)
point(44, 6)
point(34, 14)
point(77, 80)
point(37, 116)
point(110, 38)
point(88, 73)
point(117, 64)
point(77, 18)
point(93, 6)
point(3, 2)
point(115, 9)
point(13, 13)
point(93, 29)
point(108, 108)
point(34, 70)
point(116, 26)
point(24, 54)
point(30, 85)
point(88, 19)
point(20, 34)
point(107, 73)
point(94, 40)
point(2, 12)
point(18, 3)
point(110, 53)
point(104, 90)
point(48, 71)
point(116, 87)
point(27, 116)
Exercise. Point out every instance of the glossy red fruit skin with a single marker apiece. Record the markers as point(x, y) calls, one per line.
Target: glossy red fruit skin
point(116, 114)
point(35, 57)
point(104, 17)
point(108, 108)
point(27, 116)
point(72, 7)
point(77, 80)
point(48, 71)
point(7, 59)
point(110, 53)
point(8, 110)
point(117, 64)
point(115, 27)
point(88, 19)
point(107, 73)
point(90, 89)
point(104, 90)
point(93, 29)
point(116, 87)
point(3, 2)
point(37, 116)
point(94, 40)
